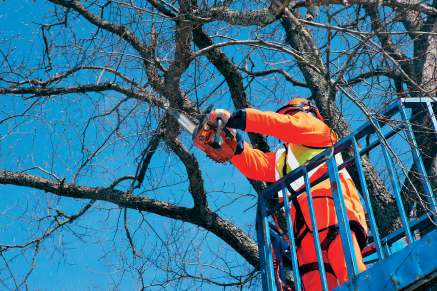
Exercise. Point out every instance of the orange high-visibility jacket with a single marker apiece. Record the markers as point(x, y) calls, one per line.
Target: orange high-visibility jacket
point(302, 134)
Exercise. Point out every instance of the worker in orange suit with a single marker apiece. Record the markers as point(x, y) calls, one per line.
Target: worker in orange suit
point(301, 128)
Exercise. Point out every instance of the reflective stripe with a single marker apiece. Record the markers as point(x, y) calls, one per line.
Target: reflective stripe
point(293, 163)
point(279, 163)
point(339, 161)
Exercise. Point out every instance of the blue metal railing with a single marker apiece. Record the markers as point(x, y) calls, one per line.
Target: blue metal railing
point(285, 247)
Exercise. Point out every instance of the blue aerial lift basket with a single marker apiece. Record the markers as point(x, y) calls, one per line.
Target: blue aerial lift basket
point(404, 259)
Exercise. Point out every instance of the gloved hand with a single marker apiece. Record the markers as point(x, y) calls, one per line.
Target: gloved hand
point(216, 114)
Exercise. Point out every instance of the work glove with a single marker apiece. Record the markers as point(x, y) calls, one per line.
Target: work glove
point(216, 114)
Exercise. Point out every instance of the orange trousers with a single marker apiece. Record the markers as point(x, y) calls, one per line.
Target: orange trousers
point(333, 256)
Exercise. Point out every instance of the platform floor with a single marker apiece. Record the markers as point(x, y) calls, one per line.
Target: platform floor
point(414, 267)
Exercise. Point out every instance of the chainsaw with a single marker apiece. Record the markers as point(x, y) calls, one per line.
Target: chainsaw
point(218, 142)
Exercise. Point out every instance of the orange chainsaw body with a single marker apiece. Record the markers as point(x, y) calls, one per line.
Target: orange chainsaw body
point(219, 147)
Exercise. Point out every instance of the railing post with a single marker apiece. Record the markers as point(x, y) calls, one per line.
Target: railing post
point(317, 247)
point(261, 250)
point(417, 159)
point(387, 249)
point(266, 241)
point(343, 221)
point(366, 196)
point(432, 115)
point(396, 190)
point(290, 233)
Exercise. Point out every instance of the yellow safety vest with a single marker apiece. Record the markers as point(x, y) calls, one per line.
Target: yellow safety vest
point(297, 155)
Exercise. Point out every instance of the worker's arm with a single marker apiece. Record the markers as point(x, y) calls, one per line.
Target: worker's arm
point(255, 164)
point(299, 128)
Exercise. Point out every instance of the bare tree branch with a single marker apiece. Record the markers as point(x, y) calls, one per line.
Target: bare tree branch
point(361, 77)
point(119, 30)
point(192, 167)
point(59, 224)
point(286, 75)
point(267, 16)
point(85, 88)
point(206, 219)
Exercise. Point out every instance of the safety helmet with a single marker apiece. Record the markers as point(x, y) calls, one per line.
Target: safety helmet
point(300, 104)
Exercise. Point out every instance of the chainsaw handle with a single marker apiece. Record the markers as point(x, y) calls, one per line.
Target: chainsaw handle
point(216, 141)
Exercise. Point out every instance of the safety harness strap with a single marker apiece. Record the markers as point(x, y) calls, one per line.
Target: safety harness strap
point(355, 226)
point(359, 232)
point(306, 268)
point(301, 236)
point(333, 232)
point(330, 236)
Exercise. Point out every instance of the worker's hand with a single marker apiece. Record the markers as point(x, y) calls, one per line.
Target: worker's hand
point(216, 114)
